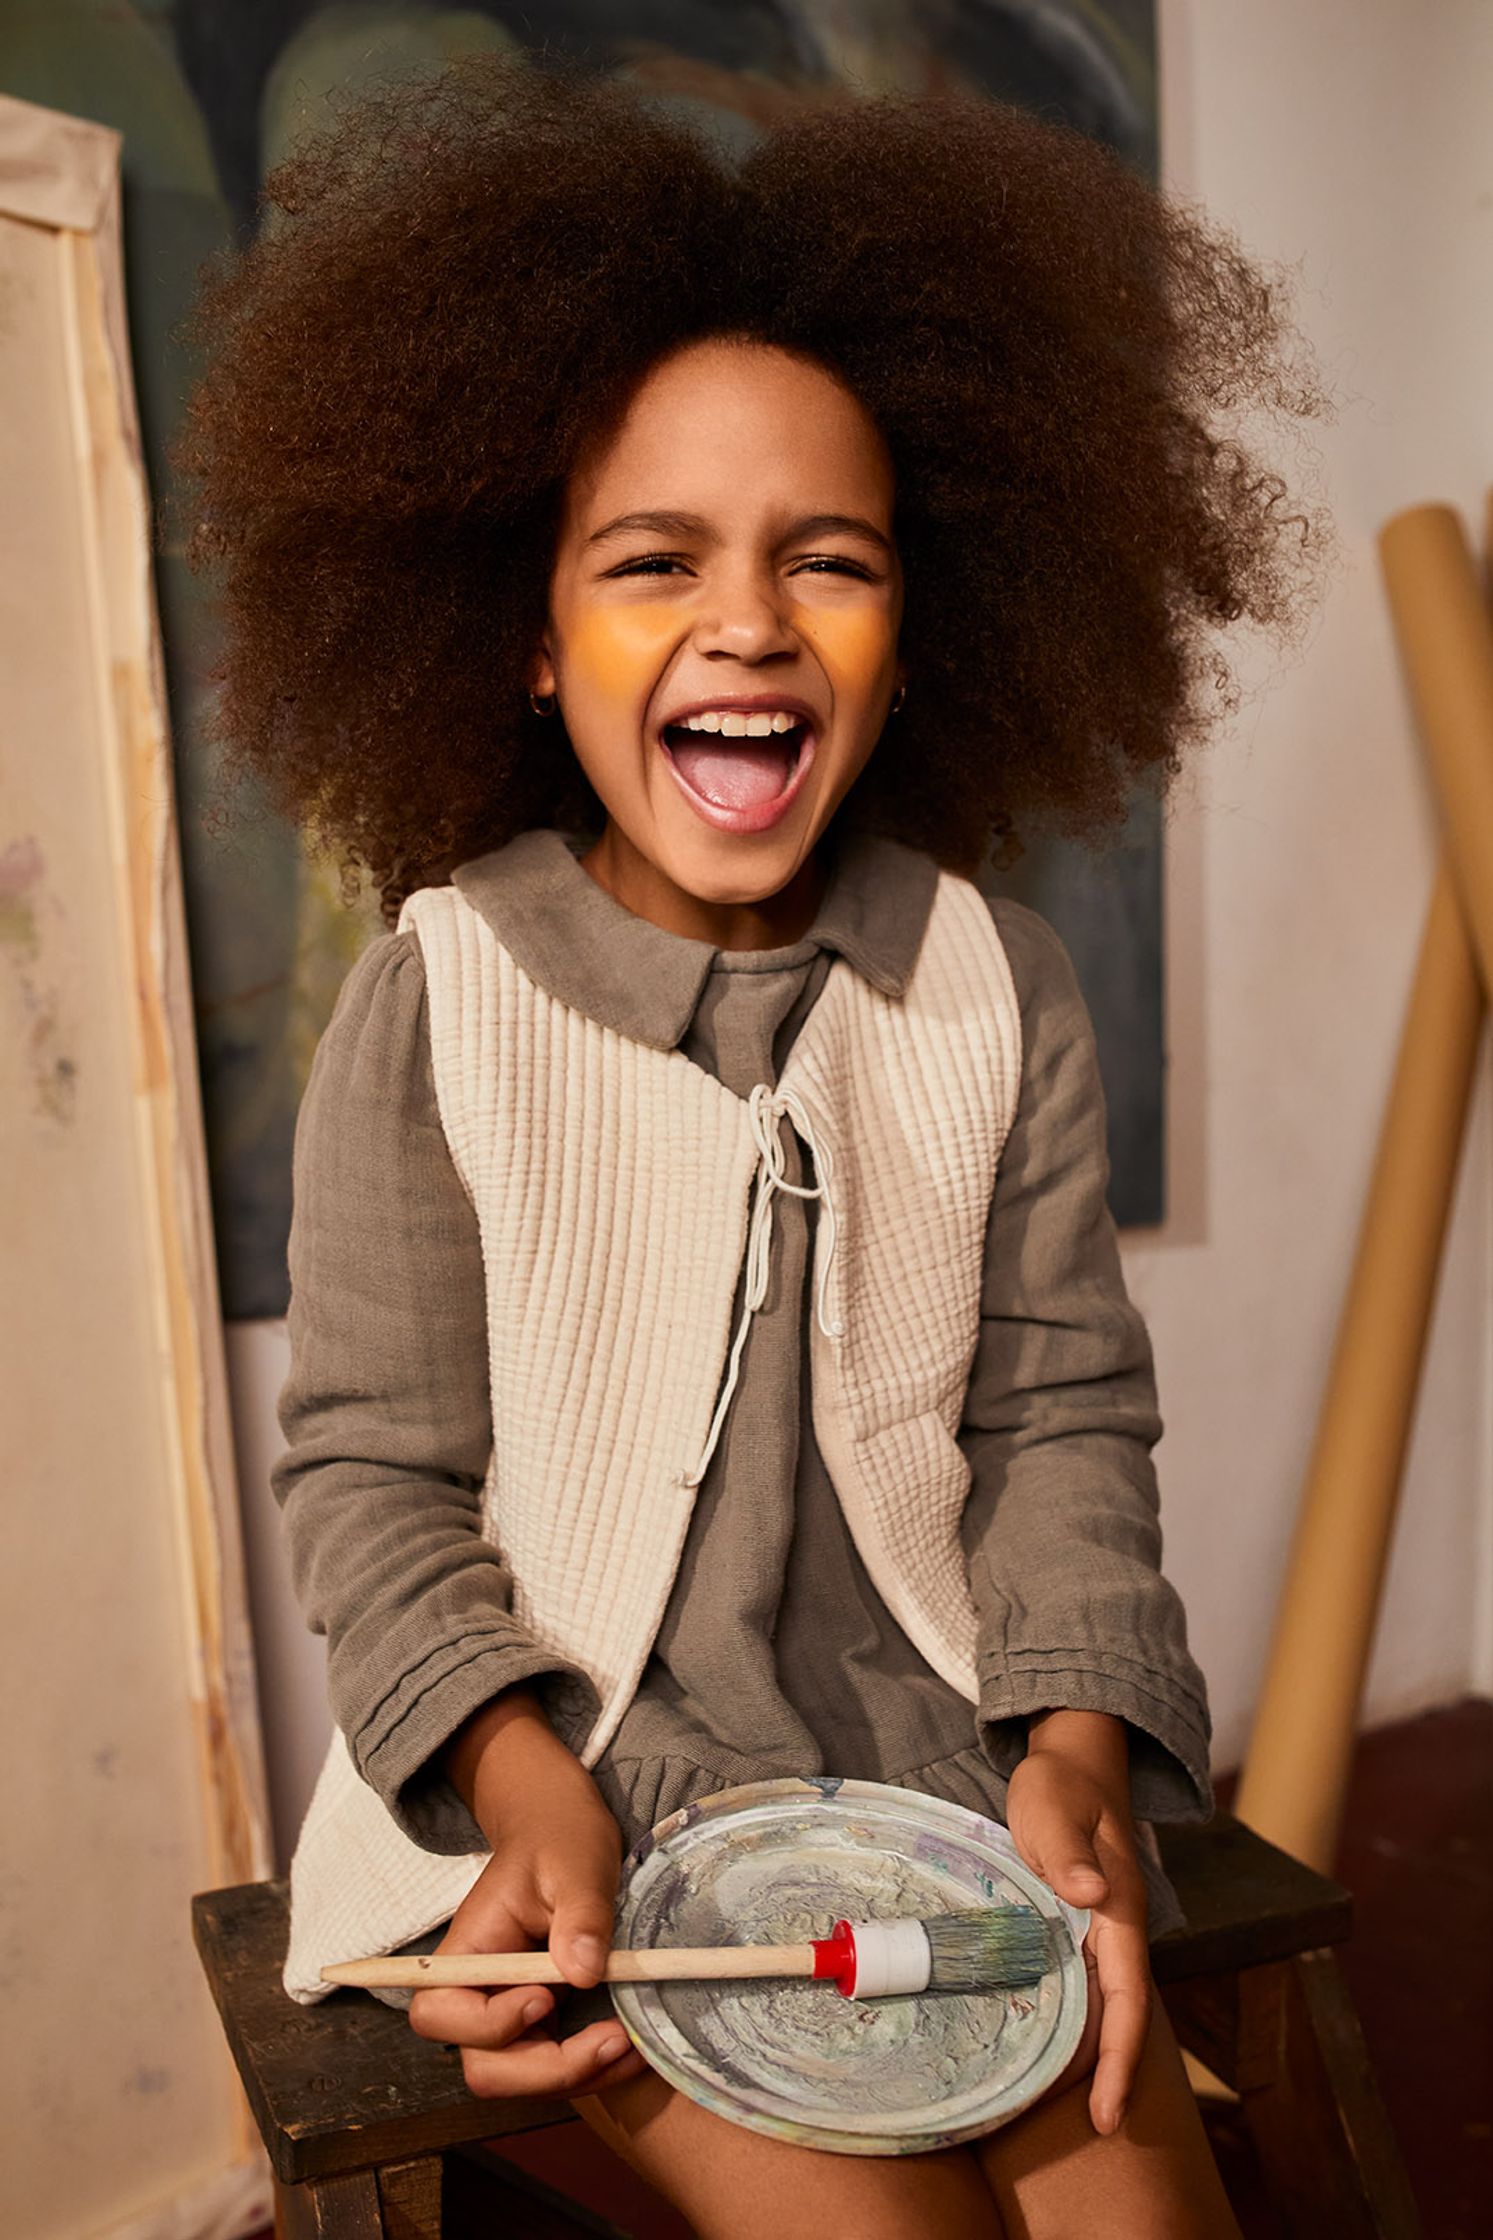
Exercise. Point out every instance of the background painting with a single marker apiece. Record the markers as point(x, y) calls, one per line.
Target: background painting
point(208, 95)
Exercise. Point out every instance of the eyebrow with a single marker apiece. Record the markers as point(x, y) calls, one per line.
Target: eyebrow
point(695, 525)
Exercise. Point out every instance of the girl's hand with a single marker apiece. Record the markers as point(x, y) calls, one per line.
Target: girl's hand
point(552, 1880)
point(1068, 1810)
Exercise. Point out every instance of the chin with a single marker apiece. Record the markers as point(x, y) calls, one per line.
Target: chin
point(702, 872)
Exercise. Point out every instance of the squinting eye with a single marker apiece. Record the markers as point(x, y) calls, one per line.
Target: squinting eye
point(844, 567)
point(652, 563)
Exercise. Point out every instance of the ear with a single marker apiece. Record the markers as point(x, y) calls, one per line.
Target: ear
point(542, 674)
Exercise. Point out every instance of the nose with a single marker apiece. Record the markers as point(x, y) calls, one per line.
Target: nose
point(745, 618)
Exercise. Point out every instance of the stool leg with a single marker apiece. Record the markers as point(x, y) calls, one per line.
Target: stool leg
point(344, 2208)
point(1327, 2153)
point(410, 2193)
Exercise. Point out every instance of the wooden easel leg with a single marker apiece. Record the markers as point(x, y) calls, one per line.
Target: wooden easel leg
point(1327, 2153)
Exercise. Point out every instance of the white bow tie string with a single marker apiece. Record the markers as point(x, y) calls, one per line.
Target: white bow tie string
point(765, 1108)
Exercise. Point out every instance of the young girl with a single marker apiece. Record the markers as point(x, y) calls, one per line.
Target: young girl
point(710, 1356)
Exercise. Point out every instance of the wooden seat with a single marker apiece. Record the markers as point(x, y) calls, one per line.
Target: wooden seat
point(1254, 1990)
point(364, 2122)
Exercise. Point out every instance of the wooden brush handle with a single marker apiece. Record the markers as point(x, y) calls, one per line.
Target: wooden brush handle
point(485, 1970)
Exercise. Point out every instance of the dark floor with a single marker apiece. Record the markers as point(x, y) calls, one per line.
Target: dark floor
point(1417, 1854)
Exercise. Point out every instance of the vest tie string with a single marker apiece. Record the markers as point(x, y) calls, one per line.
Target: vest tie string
point(765, 1108)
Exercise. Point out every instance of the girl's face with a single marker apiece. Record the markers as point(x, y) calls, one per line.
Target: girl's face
point(722, 635)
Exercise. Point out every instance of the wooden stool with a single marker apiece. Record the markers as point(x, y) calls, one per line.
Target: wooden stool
point(364, 2122)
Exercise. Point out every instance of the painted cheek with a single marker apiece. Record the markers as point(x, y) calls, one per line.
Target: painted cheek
point(855, 644)
point(617, 655)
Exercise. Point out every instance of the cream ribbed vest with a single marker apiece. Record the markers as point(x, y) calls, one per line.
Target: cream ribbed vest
point(614, 1188)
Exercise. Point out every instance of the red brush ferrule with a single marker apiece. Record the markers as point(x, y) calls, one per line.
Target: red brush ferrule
point(834, 1957)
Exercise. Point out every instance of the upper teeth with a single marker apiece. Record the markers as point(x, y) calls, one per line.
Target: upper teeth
point(736, 726)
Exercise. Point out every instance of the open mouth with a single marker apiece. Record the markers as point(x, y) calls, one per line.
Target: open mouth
point(746, 765)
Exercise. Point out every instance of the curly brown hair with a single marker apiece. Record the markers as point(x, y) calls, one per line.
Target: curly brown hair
point(460, 283)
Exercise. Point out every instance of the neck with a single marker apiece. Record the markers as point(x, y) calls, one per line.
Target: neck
point(775, 921)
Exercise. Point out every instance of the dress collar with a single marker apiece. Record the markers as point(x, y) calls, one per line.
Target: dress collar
point(587, 950)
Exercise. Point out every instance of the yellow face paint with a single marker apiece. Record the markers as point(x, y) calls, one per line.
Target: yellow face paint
point(617, 652)
point(855, 644)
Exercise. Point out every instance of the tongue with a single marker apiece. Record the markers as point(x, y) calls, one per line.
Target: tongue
point(741, 776)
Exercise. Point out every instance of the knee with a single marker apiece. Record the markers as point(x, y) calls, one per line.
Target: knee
point(623, 2112)
point(731, 2183)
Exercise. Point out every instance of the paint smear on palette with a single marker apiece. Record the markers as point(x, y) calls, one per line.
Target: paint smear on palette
point(26, 903)
point(778, 1863)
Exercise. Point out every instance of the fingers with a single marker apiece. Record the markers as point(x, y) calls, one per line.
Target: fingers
point(1125, 1988)
point(546, 2067)
point(580, 1895)
point(452, 2016)
point(558, 1895)
point(1073, 1865)
point(1055, 1823)
point(490, 1919)
point(1073, 1827)
point(495, 1916)
point(554, 1887)
point(1077, 1875)
point(1086, 2052)
point(580, 1934)
point(507, 2050)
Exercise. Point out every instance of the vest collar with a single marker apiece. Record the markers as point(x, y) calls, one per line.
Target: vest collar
point(581, 945)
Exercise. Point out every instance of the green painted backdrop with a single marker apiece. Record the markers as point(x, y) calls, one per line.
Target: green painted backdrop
point(208, 94)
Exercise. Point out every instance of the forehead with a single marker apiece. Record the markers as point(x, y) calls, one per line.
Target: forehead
point(734, 425)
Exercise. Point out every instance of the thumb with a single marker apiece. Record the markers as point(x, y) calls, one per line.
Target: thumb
point(1075, 1873)
point(581, 1935)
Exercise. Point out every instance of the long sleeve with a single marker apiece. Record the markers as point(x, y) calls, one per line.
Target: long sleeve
point(387, 1411)
point(1062, 1527)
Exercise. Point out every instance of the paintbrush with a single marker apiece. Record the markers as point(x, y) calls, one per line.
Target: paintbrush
point(998, 1948)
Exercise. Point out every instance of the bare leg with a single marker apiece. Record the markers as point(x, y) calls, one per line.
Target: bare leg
point(1055, 2178)
point(735, 2184)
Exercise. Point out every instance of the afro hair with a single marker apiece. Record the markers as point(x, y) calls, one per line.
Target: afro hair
point(458, 286)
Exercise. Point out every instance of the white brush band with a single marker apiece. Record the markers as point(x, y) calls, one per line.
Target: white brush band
point(890, 1956)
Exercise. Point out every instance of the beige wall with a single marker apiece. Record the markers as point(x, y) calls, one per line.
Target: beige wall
point(1351, 138)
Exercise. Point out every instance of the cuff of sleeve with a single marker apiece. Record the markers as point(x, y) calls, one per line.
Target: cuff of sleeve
point(399, 1755)
point(1169, 1731)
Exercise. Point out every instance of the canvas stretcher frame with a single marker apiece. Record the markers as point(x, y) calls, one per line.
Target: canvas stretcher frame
point(134, 1767)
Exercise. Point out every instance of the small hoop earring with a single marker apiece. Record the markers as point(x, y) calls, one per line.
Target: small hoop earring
point(897, 699)
point(543, 704)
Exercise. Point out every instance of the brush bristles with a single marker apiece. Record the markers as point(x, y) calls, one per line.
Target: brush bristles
point(995, 1950)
